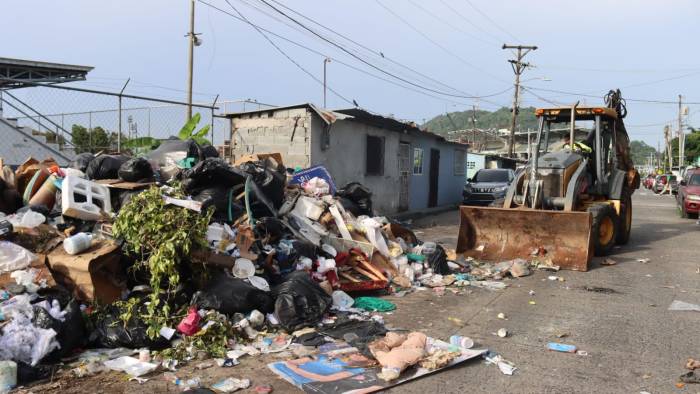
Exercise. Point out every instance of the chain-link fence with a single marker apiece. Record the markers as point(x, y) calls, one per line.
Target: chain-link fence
point(74, 120)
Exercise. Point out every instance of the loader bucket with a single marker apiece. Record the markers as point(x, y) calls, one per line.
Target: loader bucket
point(497, 234)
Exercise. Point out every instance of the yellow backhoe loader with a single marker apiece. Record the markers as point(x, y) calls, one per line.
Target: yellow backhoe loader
point(572, 200)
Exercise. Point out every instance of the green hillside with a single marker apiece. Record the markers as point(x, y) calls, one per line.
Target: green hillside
point(499, 119)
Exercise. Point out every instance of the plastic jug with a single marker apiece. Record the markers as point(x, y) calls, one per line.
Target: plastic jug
point(77, 243)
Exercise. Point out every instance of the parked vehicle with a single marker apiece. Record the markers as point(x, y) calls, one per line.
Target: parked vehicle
point(661, 180)
point(649, 181)
point(689, 193)
point(487, 185)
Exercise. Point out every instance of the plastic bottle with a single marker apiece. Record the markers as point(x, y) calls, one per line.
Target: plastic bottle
point(8, 375)
point(461, 341)
point(77, 243)
point(342, 300)
point(428, 248)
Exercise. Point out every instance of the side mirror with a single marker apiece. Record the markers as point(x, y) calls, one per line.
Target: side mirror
point(469, 180)
point(683, 182)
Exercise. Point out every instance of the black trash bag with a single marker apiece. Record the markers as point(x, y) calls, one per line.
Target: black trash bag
point(82, 161)
point(135, 170)
point(27, 374)
point(270, 229)
point(299, 301)
point(232, 295)
point(221, 198)
point(105, 167)
point(70, 333)
point(350, 206)
point(366, 331)
point(360, 196)
point(209, 151)
point(438, 261)
point(73, 333)
point(270, 178)
point(210, 172)
point(111, 332)
point(10, 199)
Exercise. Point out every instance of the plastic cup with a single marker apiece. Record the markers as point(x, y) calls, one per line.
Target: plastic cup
point(243, 268)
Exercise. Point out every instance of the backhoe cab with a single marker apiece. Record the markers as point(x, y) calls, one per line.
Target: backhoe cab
point(573, 198)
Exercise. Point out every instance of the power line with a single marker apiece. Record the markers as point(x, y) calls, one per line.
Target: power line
point(379, 54)
point(285, 54)
point(492, 21)
point(446, 22)
point(361, 59)
point(437, 44)
point(349, 65)
point(496, 39)
point(593, 96)
point(540, 97)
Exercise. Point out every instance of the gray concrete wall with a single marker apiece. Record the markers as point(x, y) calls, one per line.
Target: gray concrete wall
point(346, 155)
point(18, 144)
point(285, 131)
point(449, 185)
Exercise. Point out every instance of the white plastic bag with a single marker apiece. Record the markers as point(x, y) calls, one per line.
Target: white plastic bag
point(14, 257)
point(130, 365)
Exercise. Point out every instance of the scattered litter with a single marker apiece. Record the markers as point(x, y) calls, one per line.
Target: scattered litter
point(501, 316)
point(263, 389)
point(506, 367)
point(690, 377)
point(461, 341)
point(561, 347)
point(502, 332)
point(531, 302)
point(229, 385)
point(677, 305)
point(582, 353)
point(608, 261)
point(643, 260)
point(531, 292)
point(603, 290)
point(692, 364)
point(130, 365)
point(373, 304)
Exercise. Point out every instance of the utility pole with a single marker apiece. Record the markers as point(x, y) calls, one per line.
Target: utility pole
point(669, 148)
point(681, 134)
point(518, 68)
point(190, 63)
point(474, 125)
point(325, 62)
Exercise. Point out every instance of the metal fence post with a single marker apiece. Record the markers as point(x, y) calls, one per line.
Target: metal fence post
point(212, 118)
point(119, 132)
point(90, 131)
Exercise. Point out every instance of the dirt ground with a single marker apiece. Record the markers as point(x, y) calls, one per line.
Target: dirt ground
point(616, 314)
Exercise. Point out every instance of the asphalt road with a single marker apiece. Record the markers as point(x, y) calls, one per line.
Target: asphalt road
point(634, 343)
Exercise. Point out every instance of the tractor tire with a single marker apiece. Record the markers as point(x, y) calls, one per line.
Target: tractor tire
point(625, 227)
point(604, 228)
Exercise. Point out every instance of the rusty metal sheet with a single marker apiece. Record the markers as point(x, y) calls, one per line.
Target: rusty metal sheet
point(497, 234)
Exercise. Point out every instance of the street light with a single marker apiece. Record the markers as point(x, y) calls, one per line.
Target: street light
point(325, 62)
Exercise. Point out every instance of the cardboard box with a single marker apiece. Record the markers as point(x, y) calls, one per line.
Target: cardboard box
point(92, 275)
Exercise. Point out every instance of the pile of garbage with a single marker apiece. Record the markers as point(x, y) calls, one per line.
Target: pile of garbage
point(178, 255)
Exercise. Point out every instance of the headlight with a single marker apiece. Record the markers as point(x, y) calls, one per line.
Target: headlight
point(693, 197)
point(501, 188)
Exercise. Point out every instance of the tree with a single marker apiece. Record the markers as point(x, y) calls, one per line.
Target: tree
point(692, 147)
point(640, 152)
point(93, 140)
point(499, 119)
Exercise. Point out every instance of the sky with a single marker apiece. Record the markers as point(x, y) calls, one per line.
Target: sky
point(419, 58)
